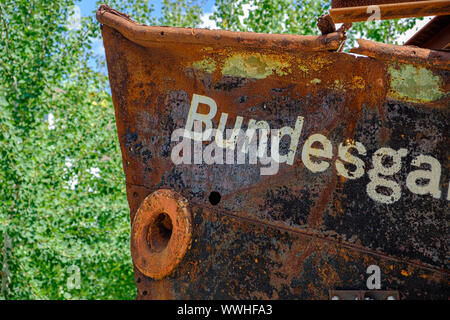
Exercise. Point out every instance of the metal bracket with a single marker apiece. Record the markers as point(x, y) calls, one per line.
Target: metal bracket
point(364, 295)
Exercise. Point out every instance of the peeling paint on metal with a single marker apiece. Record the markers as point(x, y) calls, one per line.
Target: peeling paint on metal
point(207, 65)
point(358, 82)
point(254, 66)
point(313, 65)
point(414, 84)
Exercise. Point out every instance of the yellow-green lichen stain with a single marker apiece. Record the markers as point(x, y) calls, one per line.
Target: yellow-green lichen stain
point(314, 63)
point(414, 84)
point(255, 66)
point(207, 65)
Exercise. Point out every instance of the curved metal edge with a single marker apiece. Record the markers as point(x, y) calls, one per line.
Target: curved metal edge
point(406, 54)
point(148, 36)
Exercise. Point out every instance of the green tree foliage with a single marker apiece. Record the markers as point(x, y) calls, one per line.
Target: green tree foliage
point(180, 13)
point(229, 15)
point(64, 224)
point(62, 200)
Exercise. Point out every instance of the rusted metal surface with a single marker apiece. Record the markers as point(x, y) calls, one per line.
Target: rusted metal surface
point(358, 3)
point(404, 54)
point(316, 224)
point(364, 295)
point(390, 11)
point(434, 35)
point(326, 24)
point(154, 36)
point(161, 233)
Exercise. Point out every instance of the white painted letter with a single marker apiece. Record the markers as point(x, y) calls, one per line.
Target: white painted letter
point(274, 155)
point(308, 151)
point(433, 175)
point(205, 118)
point(230, 142)
point(347, 157)
point(376, 180)
point(295, 136)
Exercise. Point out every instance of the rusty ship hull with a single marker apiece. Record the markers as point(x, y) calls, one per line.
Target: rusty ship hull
point(366, 185)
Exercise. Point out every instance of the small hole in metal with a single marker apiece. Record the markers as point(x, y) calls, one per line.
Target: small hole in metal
point(214, 198)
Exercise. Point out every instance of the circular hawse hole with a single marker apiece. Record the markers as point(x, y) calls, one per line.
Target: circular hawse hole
point(214, 198)
point(159, 232)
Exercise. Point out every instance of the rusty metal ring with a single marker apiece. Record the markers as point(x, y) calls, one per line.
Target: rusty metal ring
point(161, 233)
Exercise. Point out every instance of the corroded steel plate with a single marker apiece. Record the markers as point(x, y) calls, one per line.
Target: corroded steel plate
point(360, 178)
